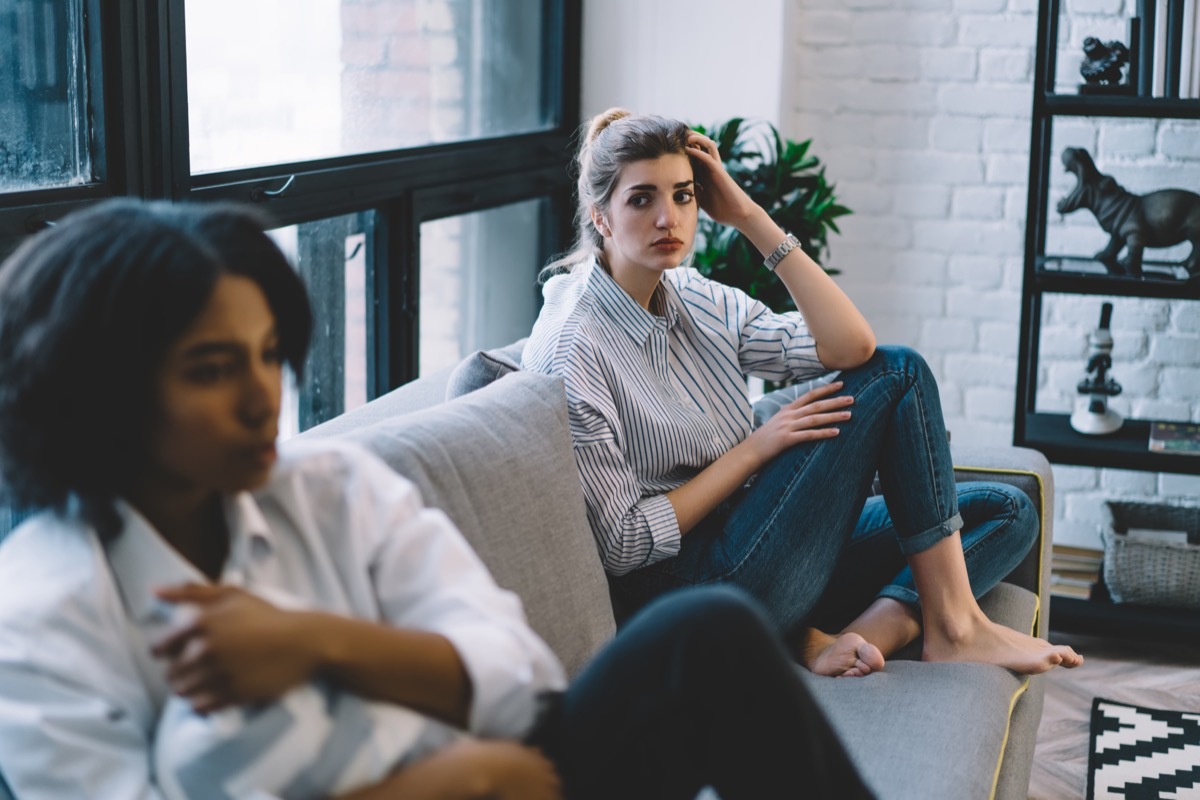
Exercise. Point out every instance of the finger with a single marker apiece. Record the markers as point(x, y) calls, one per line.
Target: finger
point(820, 420)
point(173, 643)
point(209, 702)
point(817, 392)
point(812, 435)
point(196, 684)
point(190, 592)
point(834, 404)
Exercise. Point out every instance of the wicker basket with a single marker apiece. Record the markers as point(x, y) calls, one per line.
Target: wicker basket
point(1147, 571)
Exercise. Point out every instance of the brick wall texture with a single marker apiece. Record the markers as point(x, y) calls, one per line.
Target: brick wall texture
point(921, 110)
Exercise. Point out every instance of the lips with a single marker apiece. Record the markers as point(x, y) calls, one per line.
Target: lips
point(264, 454)
point(669, 243)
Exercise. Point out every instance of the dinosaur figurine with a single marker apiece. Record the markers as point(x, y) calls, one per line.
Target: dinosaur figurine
point(1163, 218)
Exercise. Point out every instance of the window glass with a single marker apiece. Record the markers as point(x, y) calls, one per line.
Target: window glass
point(44, 138)
point(478, 282)
point(275, 81)
point(334, 258)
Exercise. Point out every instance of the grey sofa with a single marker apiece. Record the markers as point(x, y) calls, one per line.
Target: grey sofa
point(499, 462)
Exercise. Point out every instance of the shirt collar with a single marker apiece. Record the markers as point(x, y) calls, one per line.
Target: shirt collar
point(142, 560)
point(624, 311)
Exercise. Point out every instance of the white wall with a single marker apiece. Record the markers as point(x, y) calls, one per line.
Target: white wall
point(701, 61)
point(920, 109)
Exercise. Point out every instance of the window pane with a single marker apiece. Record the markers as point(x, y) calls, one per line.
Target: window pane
point(334, 258)
point(478, 282)
point(274, 81)
point(43, 131)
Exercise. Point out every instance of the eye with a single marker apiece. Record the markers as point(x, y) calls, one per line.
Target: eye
point(273, 355)
point(684, 196)
point(209, 372)
point(639, 200)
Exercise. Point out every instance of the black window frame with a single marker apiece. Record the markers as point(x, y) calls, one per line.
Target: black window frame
point(136, 58)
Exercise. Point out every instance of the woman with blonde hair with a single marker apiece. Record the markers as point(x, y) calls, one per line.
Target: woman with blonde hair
point(681, 491)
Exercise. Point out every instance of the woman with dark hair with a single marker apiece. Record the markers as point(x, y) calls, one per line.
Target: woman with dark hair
point(197, 613)
point(682, 492)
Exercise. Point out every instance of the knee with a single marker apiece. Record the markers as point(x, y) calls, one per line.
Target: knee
point(719, 613)
point(903, 358)
point(1025, 517)
point(1015, 507)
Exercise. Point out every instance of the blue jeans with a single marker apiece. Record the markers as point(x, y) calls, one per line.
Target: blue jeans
point(806, 528)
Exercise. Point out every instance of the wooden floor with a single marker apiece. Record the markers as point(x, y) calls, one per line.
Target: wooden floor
point(1151, 674)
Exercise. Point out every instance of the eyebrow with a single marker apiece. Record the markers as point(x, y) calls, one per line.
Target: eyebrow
point(650, 187)
point(214, 348)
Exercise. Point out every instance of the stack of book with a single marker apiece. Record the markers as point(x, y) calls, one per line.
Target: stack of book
point(1166, 48)
point(1074, 570)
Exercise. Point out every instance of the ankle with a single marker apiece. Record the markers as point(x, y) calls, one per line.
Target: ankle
point(955, 627)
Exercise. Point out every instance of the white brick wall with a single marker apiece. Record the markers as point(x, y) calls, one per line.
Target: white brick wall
point(921, 110)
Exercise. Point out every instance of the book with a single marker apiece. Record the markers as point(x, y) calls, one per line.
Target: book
point(1145, 46)
point(1071, 590)
point(1195, 41)
point(1181, 438)
point(1173, 73)
point(1074, 550)
point(1160, 48)
point(1187, 60)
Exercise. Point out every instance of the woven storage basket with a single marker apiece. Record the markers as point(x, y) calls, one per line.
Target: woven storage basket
point(1147, 571)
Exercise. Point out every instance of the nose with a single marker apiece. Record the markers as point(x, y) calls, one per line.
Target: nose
point(261, 397)
point(668, 216)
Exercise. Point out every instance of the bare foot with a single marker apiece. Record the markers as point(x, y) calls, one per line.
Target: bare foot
point(846, 655)
point(990, 643)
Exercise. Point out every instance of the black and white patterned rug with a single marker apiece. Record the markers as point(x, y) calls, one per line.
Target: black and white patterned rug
point(1143, 753)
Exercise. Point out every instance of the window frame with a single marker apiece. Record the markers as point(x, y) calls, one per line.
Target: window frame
point(137, 62)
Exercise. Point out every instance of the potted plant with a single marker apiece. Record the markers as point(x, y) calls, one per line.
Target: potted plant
point(782, 177)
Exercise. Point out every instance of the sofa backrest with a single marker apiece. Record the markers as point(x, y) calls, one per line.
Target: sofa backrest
point(499, 462)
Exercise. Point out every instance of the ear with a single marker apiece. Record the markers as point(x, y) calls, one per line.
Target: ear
point(601, 225)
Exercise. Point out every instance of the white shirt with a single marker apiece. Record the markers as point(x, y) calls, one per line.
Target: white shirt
point(80, 694)
point(655, 398)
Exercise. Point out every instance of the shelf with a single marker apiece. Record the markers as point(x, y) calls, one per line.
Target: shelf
point(1078, 275)
point(1053, 436)
point(1102, 105)
point(1124, 621)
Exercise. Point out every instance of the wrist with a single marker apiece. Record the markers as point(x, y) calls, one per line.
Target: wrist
point(320, 642)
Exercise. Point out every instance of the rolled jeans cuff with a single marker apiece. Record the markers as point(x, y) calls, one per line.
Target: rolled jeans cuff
point(911, 545)
point(901, 593)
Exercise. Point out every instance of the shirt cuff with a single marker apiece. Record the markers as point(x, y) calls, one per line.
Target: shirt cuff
point(664, 527)
point(506, 678)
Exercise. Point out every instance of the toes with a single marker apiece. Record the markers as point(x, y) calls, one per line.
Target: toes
point(871, 656)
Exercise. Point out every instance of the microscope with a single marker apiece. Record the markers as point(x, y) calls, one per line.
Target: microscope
point(1092, 415)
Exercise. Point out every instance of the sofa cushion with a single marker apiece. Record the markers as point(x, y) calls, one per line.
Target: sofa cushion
point(975, 713)
point(499, 462)
point(919, 730)
point(478, 370)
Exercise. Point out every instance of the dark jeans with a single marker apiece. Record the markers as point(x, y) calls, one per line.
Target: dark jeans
point(696, 690)
point(804, 530)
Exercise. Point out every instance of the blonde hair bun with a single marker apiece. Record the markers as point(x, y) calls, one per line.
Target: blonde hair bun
point(603, 120)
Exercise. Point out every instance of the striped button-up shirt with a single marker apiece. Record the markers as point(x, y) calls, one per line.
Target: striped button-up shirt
point(655, 398)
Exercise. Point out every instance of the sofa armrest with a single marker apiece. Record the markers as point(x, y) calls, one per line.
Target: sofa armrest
point(1029, 471)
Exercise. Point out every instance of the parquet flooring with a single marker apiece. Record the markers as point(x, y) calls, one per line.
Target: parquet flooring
point(1153, 674)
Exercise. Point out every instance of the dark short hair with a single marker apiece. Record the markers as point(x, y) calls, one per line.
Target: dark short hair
point(88, 310)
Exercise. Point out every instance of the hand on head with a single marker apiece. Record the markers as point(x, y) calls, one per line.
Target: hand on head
point(720, 195)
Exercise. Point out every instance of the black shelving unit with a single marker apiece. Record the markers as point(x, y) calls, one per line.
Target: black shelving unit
point(1070, 273)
